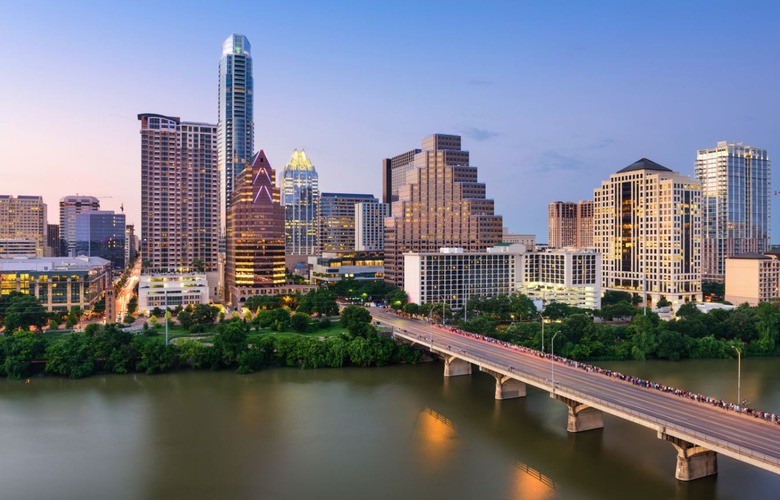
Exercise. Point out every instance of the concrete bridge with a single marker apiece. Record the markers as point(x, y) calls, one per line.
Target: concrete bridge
point(698, 431)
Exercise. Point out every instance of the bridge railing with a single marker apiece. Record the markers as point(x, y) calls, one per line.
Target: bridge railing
point(705, 440)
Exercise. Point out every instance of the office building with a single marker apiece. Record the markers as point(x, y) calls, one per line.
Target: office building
point(52, 240)
point(255, 234)
point(337, 220)
point(370, 226)
point(102, 234)
point(179, 194)
point(59, 283)
point(235, 116)
point(647, 227)
point(394, 172)
point(570, 224)
point(752, 278)
point(70, 207)
point(300, 193)
point(131, 247)
point(441, 205)
point(22, 226)
point(736, 201)
point(527, 240)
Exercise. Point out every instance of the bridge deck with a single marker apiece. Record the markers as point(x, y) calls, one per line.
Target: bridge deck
point(737, 435)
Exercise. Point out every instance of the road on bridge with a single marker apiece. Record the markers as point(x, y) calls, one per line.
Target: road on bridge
point(744, 437)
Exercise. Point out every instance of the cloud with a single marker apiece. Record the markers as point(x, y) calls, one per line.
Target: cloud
point(479, 134)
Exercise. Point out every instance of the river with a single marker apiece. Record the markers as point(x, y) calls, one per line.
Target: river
point(387, 433)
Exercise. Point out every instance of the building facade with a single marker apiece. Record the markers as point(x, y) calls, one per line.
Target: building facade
point(337, 222)
point(394, 172)
point(370, 226)
point(736, 202)
point(52, 240)
point(568, 275)
point(300, 191)
point(170, 290)
point(102, 234)
point(528, 240)
point(452, 276)
point(70, 207)
point(59, 283)
point(441, 205)
point(570, 224)
point(647, 228)
point(255, 234)
point(23, 226)
point(752, 278)
point(179, 194)
point(235, 117)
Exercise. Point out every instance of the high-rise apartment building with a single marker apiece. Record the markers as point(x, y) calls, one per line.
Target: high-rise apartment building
point(441, 205)
point(300, 193)
point(735, 181)
point(235, 116)
point(70, 207)
point(255, 234)
point(647, 227)
point(179, 194)
point(131, 249)
point(370, 226)
point(102, 234)
point(23, 226)
point(52, 240)
point(570, 224)
point(337, 220)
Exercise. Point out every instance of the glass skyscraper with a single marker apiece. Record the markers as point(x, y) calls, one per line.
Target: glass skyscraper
point(101, 233)
point(300, 198)
point(735, 183)
point(235, 125)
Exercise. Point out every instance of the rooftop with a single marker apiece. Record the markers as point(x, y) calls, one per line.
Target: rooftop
point(644, 164)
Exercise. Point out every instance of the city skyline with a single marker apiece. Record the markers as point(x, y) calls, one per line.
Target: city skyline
point(550, 100)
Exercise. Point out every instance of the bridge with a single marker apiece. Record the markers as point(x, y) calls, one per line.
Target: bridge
point(699, 431)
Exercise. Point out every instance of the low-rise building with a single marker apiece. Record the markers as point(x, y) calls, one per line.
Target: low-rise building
point(752, 278)
point(170, 290)
point(59, 283)
point(333, 267)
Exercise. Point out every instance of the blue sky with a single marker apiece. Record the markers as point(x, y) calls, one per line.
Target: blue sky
point(549, 96)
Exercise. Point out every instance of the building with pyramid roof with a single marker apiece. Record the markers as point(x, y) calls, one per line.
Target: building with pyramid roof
point(254, 262)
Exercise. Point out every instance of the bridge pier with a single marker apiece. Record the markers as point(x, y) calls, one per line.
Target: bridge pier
point(693, 461)
point(581, 417)
point(455, 367)
point(506, 387)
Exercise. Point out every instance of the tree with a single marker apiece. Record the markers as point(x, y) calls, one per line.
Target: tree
point(353, 316)
point(74, 357)
point(198, 266)
point(612, 297)
point(230, 341)
point(412, 309)
point(156, 356)
point(18, 350)
point(299, 322)
point(23, 311)
point(397, 298)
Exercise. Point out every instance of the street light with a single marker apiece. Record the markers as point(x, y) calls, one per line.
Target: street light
point(739, 376)
point(552, 360)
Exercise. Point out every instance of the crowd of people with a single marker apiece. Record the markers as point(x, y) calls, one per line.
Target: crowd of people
point(700, 398)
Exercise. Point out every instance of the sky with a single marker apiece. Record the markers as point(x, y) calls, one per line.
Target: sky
point(550, 97)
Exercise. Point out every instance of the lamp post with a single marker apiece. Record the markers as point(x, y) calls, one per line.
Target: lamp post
point(552, 360)
point(166, 317)
point(739, 376)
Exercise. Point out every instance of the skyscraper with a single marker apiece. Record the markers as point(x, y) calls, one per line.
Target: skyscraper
point(179, 194)
point(337, 220)
point(570, 224)
point(23, 226)
point(394, 174)
point(235, 118)
point(255, 234)
point(300, 198)
point(440, 205)
point(70, 207)
point(735, 180)
point(647, 227)
point(101, 233)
